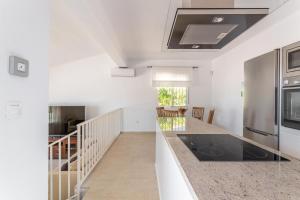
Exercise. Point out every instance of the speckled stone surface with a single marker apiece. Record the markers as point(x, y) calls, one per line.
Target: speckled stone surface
point(233, 180)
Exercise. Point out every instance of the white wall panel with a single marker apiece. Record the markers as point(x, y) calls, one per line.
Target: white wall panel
point(24, 139)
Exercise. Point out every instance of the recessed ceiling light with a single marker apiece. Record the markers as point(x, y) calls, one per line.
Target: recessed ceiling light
point(218, 19)
point(195, 46)
point(221, 35)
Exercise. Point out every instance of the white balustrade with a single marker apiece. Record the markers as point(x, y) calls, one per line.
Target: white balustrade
point(93, 139)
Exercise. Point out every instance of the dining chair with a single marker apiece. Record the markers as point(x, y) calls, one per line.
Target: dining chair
point(198, 112)
point(210, 116)
point(159, 111)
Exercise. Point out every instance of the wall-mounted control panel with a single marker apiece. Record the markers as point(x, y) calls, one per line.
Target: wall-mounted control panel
point(13, 110)
point(291, 81)
point(18, 66)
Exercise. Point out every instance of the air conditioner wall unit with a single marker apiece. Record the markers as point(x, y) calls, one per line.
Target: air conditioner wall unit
point(123, 72)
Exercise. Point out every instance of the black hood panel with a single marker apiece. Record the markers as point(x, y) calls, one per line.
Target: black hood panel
point(242, 18)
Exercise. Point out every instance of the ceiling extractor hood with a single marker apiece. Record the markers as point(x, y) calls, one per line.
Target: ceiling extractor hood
point(211, 26)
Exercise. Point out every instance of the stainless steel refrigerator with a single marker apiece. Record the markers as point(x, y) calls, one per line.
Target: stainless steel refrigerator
point(261, 95)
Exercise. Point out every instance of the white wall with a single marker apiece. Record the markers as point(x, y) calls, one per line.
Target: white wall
point(279, 29)
point(272, 4)
point(23, 141)
point(88, 82)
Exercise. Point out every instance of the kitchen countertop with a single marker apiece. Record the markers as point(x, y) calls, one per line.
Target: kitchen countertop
point(212, 180)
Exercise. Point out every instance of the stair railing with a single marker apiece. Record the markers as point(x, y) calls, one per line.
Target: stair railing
point(68, 169)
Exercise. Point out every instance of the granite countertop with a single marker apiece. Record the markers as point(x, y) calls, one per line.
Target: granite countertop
point(231, 180)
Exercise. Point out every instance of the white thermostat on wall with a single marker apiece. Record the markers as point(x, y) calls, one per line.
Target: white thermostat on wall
point(18, 66)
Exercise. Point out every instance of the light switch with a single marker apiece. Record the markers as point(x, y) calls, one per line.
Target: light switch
point(13, 110)
point(18, 66)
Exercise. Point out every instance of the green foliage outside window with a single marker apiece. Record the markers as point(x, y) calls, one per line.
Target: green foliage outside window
point(172, 96)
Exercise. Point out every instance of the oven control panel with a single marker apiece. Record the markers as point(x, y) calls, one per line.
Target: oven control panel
point(291, 81)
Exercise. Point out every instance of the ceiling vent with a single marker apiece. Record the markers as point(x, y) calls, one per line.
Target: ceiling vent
point(205, 33)
point(123, 72)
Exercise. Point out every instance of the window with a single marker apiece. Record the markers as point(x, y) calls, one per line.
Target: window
point(172, 96)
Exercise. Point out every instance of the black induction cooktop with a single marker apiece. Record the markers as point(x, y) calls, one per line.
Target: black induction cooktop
point(219, 147)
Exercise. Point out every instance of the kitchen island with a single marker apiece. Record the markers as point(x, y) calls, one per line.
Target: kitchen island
point(182, 176)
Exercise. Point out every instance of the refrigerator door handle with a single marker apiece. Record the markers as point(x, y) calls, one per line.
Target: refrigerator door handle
point(276, 106)
point(259, 132)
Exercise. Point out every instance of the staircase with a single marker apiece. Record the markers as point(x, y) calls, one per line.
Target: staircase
point(94, 137)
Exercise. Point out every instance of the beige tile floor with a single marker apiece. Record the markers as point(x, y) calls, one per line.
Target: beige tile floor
point(127, 170)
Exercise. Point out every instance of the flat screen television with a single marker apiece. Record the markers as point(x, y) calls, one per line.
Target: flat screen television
point(63, 119)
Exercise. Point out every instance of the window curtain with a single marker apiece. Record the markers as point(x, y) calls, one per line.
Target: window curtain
point(172, 77)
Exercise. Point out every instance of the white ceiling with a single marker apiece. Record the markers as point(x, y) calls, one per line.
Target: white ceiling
point(69, 39)
point(137, 29)
point(141, 25)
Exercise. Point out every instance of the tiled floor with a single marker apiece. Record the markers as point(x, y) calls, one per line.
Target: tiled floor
point(127, 171)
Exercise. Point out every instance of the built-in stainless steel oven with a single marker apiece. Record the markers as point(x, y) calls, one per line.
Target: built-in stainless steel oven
point(291, 60)
point(291, 103)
